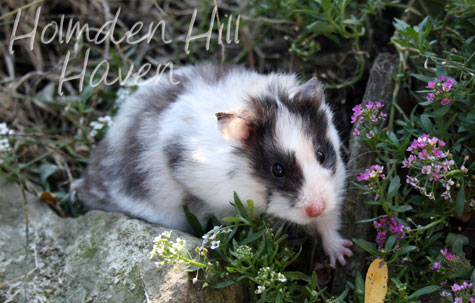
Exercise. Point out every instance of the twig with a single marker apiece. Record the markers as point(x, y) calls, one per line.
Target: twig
point(20, 8)
point(219, 30)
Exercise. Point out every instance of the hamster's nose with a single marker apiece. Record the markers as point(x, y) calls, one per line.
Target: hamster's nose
point(315, 209)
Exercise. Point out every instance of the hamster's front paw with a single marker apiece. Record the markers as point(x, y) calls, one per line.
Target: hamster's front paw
point(337, 249)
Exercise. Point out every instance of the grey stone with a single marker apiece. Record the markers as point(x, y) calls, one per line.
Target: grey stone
point(380, 88)
point(98, 257)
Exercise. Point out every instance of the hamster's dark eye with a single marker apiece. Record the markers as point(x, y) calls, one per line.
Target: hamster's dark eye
point(278, 170)
point(320, 157)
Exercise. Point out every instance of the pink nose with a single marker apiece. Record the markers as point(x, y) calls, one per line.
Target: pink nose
point(314, 211)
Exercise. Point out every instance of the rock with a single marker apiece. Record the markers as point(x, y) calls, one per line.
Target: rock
point(98, 257)
point(379, 88)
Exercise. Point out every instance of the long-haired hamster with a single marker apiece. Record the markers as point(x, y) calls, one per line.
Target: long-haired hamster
point(208, 131)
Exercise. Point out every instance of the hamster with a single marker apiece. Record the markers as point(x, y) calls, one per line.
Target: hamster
point(208, 131)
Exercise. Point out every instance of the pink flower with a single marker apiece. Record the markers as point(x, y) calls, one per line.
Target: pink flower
point(426, 169)
point(449, 256)
point(458, 300)
point(356, 132)
point(446, 101)
point(370, 135)
point(441, 78)
point(445, 294)
point(430, 97)
point(431, 84)
point(357, 113)
point(436, 266)
point(447, 86)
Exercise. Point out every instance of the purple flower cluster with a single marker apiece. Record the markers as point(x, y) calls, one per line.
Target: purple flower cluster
point(370, 114)
point(448, 264)
point(440, 90)
point(462, 293)
point(430, 162)
point(371, 176)
point(386, 227)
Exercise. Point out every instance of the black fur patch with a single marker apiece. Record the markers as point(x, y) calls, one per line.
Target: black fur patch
point(263, 151)
point(315, 122)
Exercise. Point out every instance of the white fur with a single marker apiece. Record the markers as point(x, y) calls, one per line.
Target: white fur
point(213, 158)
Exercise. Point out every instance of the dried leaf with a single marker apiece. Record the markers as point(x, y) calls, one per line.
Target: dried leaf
point(52, 201)
point(376, 285)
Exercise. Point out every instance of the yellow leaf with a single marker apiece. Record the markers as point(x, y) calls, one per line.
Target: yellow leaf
point(376, 285)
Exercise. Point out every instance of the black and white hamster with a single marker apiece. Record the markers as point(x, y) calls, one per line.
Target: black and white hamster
point(209, 130)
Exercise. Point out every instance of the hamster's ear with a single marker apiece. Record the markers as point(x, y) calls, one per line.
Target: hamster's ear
point(234, 124)
point(312, 89)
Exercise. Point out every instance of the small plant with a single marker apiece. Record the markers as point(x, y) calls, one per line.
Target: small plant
point(248, 250)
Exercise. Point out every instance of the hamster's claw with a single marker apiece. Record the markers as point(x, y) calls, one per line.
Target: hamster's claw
point(338, 251)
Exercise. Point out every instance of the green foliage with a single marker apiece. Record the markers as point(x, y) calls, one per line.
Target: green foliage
point(248, 250)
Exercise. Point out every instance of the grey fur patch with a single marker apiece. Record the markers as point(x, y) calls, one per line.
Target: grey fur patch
point(153, 105)
point(93, 192)
point(175, 153)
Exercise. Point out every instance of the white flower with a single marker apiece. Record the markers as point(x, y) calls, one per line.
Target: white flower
point(158, 264)
point(4, 145)
point(281, 277)
point(215, 244)
point(157, 239)
point(100, 124)
point(166, 234)
point(260, 289)
point(4, 130)
point(194, 280)
point(178, 245)
point(180, 241)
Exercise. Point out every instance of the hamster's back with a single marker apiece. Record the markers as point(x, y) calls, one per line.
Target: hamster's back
point(136, 168)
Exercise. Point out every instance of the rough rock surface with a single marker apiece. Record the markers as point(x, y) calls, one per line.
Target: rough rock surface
point(99, 257)
point(380, 88)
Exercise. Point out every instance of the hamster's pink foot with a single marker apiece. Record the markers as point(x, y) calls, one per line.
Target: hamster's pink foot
point(337, 250)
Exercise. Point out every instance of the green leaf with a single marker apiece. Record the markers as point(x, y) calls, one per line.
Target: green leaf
point(297, 275)
point(252, 238)
point(193, 221)
point(421, 77)
point(423, 291)
point(227, 283)
point(342, 296)
point(233, 220)
point(390, 242)
point(393, 138)
point(460, 200)
point(368, 246)
point(441, 111)
point(321, 27)
point(461, 273)
point(426, 123)
point(394, 186)
point(46, 170)
point(240, 207)
point(457, 248)
point(400, 208)
point(250, 206)
point(359, 283)
point(402, 251)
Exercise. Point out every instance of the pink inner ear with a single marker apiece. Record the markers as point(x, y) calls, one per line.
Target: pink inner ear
point(233, 128)
point(234, 124)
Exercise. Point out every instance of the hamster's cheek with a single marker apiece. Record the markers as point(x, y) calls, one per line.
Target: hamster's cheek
point(280, 207)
